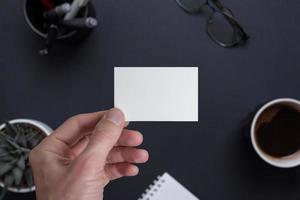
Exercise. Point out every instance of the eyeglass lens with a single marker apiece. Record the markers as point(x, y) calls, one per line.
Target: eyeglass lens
point(220, 27)
point(191, 6)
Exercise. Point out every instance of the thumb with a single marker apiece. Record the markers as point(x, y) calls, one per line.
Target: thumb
point(105, 135)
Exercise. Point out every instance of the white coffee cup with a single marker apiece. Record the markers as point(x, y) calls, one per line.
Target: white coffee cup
point(289, 161)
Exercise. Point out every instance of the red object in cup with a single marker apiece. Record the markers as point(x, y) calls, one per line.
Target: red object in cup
point(47, 4)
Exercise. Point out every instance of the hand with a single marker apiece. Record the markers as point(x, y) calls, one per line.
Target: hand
point(86, 152)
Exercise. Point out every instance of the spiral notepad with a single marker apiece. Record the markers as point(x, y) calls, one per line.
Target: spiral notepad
point(167, 188)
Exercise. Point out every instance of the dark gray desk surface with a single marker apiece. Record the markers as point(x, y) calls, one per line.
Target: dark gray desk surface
point(211, 157)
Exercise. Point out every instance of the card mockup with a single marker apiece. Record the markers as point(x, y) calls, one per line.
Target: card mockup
point(157, 93)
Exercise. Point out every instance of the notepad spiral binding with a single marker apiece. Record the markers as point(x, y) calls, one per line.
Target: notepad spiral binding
point(152, 189)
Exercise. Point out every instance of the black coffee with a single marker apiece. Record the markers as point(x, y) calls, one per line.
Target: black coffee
point(280, 136)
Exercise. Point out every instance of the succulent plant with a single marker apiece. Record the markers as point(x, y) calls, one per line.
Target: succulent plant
point(16, 141)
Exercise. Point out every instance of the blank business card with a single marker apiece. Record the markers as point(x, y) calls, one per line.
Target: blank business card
point(157, 93)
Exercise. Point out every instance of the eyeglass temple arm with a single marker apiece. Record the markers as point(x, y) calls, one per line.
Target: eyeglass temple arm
point(213, 4)
point(233, 21)
point(229, 16)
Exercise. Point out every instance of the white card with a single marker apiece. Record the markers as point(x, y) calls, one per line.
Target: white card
point(157, 93)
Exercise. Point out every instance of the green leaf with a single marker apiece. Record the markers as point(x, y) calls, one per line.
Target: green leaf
point(4, 145)
point(4, 136)
point(29, 177)
point(10, 130)
point(13, 144)
point(17, 148)
point(13, 153)
point(8, 180)
point(7, 158)
point(6, 167)
point(21, 163)
point(34, 141)
point(9, 148)
point(3, 150)
point(26, 155)
point(18, 175)
point(30, 135)
point(21, 139)
point(4, 154)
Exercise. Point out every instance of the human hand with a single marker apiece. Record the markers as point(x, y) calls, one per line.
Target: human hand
point(80, 157)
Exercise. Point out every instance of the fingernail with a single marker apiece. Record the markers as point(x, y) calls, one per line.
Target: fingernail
point(115, 116)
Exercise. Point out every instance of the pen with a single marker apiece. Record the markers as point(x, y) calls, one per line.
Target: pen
point(50, 38)
point(89, 22)
point(75, 8)
point(58, 11)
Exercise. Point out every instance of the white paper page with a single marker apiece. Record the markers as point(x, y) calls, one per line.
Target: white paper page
point(167, 188)
point(157, 93)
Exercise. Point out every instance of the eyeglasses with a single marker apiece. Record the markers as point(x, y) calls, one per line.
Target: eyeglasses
point(222, 27)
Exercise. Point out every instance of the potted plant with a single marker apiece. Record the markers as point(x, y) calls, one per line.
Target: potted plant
point(17, 138)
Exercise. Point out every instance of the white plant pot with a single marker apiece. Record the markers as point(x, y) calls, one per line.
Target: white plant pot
point(45, 129)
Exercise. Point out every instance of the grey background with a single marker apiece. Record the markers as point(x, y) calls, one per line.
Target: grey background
point(211, 158)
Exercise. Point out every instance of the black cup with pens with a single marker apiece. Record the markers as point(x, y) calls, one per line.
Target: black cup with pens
point(60, 20)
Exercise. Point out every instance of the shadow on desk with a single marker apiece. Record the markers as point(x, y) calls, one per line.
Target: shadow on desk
point(255, 175)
